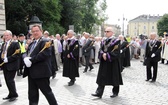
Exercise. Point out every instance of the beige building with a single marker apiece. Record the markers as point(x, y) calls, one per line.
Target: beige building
point(2, 17)
point(143, 24)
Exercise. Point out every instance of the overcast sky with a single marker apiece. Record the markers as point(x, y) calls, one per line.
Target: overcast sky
point(133, 8)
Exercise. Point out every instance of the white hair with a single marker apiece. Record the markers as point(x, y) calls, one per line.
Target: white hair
point(121, 36)
point(46, 32)
point(87, 34)
point(71, 32)
point(57, 34)
point(8, 31)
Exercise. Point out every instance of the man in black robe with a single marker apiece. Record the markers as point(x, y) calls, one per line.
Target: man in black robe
point(127, 60)
point(71, 58)
point(123, 48)
point(109, 69)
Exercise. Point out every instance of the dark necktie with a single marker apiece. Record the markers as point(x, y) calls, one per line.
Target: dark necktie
point(32, 46)
point(107, 40)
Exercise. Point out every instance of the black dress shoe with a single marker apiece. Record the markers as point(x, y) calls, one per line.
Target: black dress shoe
point(147, 80)
point(0, 85)
point(18, 74)
point(12, 99)
point(114, 95)
point(53, 76)
point(96, 95)
point(84, 71)
point(6, 98)
point(153, 81)
point(70, 83)
point(91, 68)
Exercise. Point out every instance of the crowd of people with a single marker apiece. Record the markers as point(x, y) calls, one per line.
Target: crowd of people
point(40, 55)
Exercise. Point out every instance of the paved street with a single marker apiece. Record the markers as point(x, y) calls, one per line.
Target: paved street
point(135, 91)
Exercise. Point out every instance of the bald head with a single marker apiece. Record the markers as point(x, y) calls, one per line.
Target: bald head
point(108, 32)
point(153, 36)
point(70, 33)
point(109, 29)
point(121, 37)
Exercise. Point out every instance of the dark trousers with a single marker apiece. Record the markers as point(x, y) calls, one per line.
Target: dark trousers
point(100, 90)
point(149, 71)
point(88, 64)
point(10, 83)
point(21, 65)
point(44, 85)
point(162, 61)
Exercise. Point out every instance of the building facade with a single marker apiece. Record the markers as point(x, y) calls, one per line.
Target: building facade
point(2, 17)
point(143, 24)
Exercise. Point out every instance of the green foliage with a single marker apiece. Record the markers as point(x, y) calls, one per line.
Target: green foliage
point(19, 13)
point(83, 14)
point(56, 15)
point(162, 25)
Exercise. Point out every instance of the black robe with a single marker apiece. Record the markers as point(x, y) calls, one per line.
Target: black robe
point(127, 60)
point(122, 54)
point(109, 70)
point(71, 65)
point(53, 61)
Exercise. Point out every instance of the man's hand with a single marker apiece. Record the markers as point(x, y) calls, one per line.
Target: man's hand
point(68, 56)
point(27, 61)
point(153, 55)
point(5, 60)
point(104, 56)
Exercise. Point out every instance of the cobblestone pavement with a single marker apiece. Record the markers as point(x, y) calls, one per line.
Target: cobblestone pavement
point(135, 91)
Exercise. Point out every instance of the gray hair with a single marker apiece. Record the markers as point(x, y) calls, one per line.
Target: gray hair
point(71, 32)
point(8, 31)
point(46, 32)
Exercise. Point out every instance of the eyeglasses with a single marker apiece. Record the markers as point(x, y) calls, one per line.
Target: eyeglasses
point(107, 31)
point(35, 31)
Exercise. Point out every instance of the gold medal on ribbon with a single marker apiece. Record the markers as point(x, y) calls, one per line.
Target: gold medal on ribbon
point(105, 48)
point(2, 55)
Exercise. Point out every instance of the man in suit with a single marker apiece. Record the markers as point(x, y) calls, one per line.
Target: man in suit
point(38, 68)
point(10, 58)
point(86, 50)
point(152, 56)
point(71, 58)
point(109, 70)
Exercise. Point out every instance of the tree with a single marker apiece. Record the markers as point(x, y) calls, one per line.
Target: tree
point(15, 14)
point(71, 14)
point(19, 13)
point(162, 25)
point(83, 14)
point(56, 15)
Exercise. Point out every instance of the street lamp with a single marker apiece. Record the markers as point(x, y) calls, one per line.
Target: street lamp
point(123, 19)
point(34, 20)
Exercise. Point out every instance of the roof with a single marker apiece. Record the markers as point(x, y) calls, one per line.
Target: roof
point(146, 18)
